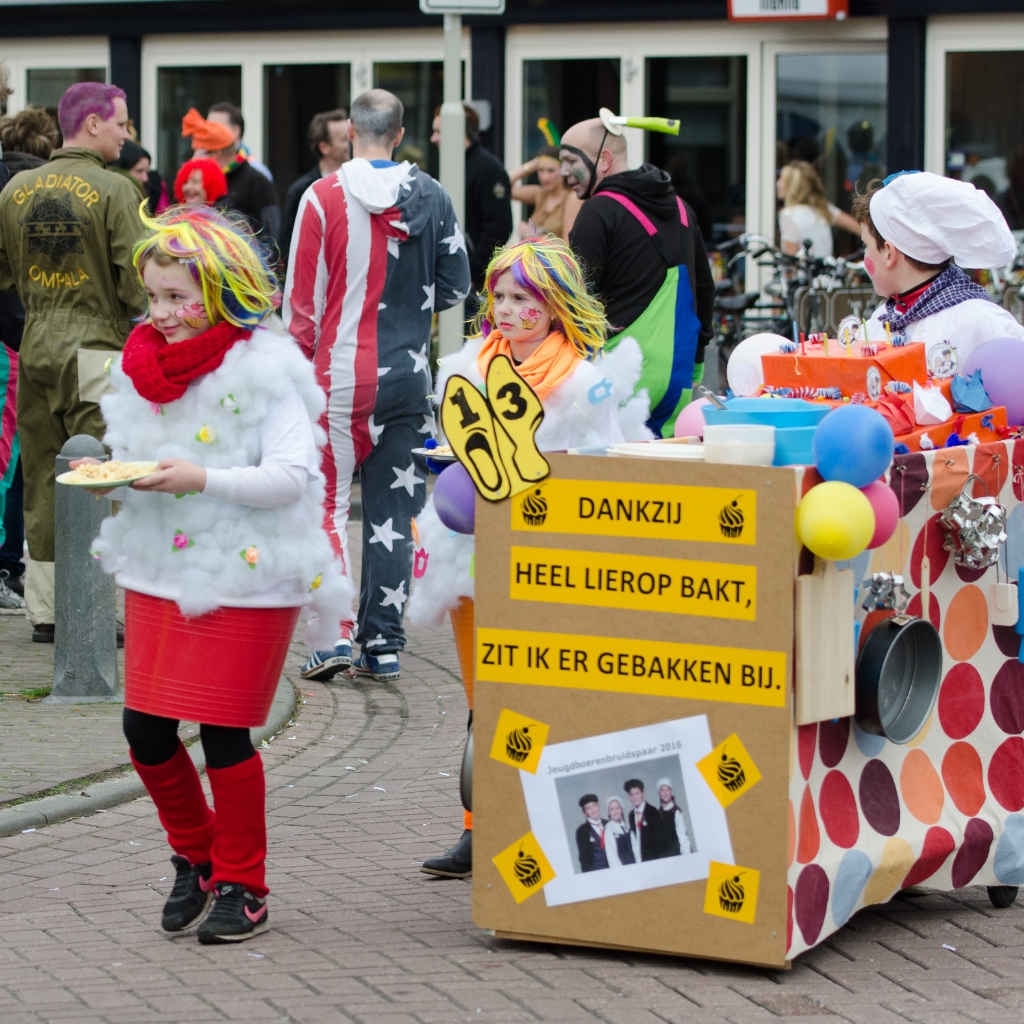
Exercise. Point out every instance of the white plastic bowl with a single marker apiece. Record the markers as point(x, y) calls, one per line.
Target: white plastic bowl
point(739, 444)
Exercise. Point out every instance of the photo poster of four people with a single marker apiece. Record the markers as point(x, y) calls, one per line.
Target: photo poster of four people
point(617, 817)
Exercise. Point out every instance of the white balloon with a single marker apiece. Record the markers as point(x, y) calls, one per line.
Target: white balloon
point(744, 371)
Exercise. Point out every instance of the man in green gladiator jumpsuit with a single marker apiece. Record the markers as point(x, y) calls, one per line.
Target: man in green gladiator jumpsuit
point(66, 236)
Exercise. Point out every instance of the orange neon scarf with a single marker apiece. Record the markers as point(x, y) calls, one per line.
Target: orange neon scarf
point(551, 363)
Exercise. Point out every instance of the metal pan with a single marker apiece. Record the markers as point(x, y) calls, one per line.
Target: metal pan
point(899, 669)
point(466, 775)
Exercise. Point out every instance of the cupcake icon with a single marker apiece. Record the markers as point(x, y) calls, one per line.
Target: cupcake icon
point(730, 773)
point(730, 520)
point(535, 509)
point(527, 870)
point(518, 744)
point(731, 895)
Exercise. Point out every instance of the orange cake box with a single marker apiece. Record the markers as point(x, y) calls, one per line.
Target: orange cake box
point(983, 424)
point(852, 372)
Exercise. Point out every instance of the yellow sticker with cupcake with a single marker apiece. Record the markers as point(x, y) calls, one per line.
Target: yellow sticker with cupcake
point(729, 770)
point(519, 740)
point(524, 868)
point(732, 892)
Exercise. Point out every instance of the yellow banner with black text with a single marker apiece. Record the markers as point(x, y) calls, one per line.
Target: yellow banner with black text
point(720, 590)
point(627, 665)
point(654, 511)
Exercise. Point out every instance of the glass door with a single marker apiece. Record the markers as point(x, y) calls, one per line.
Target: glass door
point(707, 161)
point(420, 87)
point(45, 86)
point(180, 88)
point(292, 94)
point(831, 113)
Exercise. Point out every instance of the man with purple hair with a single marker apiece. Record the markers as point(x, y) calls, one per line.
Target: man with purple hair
point(66, 235)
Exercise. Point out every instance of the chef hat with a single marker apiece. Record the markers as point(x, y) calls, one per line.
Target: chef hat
point(930, 218)
point(664, 782)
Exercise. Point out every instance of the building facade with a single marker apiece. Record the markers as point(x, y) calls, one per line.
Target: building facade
point(936, 84)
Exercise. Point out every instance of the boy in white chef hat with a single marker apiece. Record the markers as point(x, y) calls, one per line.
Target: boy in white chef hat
point(919, 229)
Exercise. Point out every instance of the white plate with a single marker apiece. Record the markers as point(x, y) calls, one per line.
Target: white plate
point(147, 469)
point(431, 453)
point(654, 450)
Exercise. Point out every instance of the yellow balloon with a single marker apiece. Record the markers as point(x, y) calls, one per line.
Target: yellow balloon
point(835, 521)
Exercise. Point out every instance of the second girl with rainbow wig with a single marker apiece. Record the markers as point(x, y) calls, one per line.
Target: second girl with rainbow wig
point(537, 311)
point(218, 550)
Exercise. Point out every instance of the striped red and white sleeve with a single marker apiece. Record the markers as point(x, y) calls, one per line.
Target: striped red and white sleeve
point(306, 282)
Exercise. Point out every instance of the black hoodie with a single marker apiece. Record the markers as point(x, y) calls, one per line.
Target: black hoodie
point(625, 265)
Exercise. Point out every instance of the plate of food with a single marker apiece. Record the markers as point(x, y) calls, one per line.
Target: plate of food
point(100, 475)
point(442, 453)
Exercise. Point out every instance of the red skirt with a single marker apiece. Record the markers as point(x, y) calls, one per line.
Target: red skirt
point(221, 668)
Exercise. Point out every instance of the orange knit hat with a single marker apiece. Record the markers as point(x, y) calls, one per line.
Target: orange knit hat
point(205, 134)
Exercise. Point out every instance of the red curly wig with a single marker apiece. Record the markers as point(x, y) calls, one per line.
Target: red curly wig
point(214, 182)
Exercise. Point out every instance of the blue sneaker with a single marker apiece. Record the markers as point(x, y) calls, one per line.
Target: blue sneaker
point(325, 665)
point(383, 667)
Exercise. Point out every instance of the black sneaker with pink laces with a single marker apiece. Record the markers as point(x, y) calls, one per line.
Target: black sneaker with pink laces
point(237, 915)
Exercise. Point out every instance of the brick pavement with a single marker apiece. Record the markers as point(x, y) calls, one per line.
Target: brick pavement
point(360, 791)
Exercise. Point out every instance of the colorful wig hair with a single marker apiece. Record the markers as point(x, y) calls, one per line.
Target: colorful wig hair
point(222, 255)
point(214, 183)
point(548, 270)
point(83, 99)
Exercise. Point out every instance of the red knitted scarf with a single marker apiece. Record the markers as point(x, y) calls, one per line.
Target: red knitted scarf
point(161, 371)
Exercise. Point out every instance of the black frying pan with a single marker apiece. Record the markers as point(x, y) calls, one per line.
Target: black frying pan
point(466, 775)
point(899, 669)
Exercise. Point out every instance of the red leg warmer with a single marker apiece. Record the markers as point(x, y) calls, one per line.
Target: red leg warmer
point(240, 842)
point(181, 804)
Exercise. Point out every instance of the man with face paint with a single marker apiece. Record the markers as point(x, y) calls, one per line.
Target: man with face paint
point(916, 227)
point(645, 258)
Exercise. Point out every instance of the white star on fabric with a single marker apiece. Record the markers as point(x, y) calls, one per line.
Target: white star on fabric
point(375, 431)
point(428, 425)
point(406, 478)
point(420, 358)
point(377, 641)
point(385, 535)
point(455, 241)
point(381, 305)
point(381, 370)
point(393, 247)
point(396, 597)
point(428, 302)
point(459, 296)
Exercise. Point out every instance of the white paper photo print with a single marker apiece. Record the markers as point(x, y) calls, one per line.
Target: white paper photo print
point(626, 811)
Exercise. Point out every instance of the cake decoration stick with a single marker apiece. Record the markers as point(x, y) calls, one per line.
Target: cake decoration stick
point(803, 351)
point(865, 323)
point(824, 341)
point(888, 335)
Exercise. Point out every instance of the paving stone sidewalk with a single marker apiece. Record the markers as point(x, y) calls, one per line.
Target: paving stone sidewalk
point(360, 791)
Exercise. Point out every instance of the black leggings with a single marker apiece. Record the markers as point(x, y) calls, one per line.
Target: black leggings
point(154, 740)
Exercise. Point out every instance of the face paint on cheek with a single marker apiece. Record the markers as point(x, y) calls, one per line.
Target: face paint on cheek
point(869, 265)
point(529, 317)
point(193, 315)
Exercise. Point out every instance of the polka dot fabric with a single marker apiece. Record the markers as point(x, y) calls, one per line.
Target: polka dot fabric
point(868, 817)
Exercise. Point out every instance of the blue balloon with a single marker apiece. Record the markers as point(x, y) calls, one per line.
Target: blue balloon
point(455, 499)
point(853, 444)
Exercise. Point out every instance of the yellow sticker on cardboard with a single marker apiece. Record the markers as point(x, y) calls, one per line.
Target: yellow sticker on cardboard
point(732, 892)
point(658, 668)
point(729, 770)
point(524, 868)
point(518, 740)
point(603, 579)
point(607, 508)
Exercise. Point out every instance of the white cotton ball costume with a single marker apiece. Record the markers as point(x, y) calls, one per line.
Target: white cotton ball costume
point(216, 424)
point(595, 406)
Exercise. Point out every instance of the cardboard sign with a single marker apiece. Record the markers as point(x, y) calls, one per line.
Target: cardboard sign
point(649, 642)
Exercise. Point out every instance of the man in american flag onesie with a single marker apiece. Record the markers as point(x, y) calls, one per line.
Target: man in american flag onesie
point(376, 250)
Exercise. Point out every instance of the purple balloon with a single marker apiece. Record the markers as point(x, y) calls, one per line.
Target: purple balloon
point(1001, 362)
point(455, 499)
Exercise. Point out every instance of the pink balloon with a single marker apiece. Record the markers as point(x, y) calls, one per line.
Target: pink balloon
point(886, 507)
point(1001, 361)
point(690, 422)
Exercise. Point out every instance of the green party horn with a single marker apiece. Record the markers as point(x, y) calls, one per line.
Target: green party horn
point(614, 123)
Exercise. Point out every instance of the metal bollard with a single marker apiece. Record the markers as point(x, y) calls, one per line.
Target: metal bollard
point(85, 641)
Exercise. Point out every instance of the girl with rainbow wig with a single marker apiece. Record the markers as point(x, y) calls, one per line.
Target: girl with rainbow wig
point(218, 548)
point(537, 311)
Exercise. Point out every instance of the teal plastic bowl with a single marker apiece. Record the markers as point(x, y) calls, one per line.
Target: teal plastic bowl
point(795, 422)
